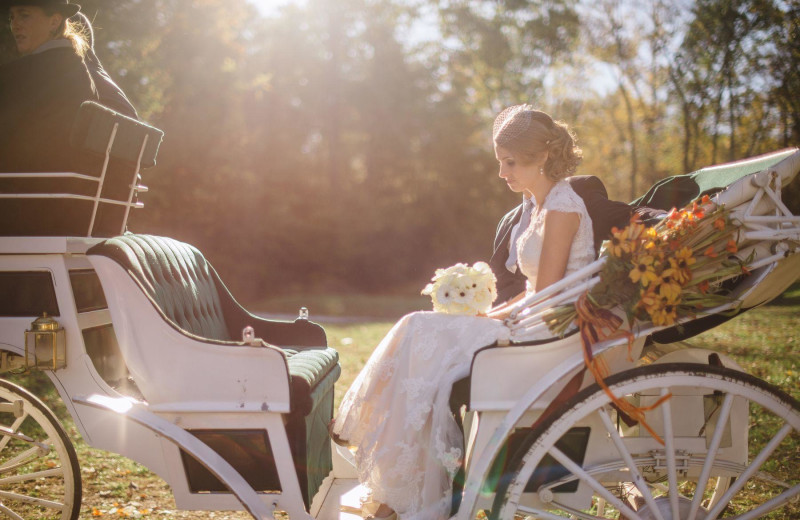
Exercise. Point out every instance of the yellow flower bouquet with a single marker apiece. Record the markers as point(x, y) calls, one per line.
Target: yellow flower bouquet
point(662, 273)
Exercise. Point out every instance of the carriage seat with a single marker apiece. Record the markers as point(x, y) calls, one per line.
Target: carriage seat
point(189, 295)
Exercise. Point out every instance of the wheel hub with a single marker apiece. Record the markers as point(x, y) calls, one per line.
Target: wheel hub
point(663, 504)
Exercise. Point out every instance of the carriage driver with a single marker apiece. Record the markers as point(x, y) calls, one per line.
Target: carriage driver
point(42, 90)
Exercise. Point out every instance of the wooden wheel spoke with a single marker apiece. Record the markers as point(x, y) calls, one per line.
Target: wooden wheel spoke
point(540, 513)
point(724, 414)
point(55, 472)
point(751, 470)
point(8, 512)
point(32, 500)
point(636, 476)
point(21, 459)
point(14, 427)
point(574, 513)
point(598, 488)
point(771, 504)
point(669, 446)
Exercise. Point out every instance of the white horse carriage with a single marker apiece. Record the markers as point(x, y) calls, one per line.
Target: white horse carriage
point(156, 361)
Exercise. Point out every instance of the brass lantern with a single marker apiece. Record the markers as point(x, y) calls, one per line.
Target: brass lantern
point(45, 344)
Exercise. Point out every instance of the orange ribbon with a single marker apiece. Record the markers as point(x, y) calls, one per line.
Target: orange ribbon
point(598, 324)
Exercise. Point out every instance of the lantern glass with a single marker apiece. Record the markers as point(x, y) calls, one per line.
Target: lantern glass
point(45, 345)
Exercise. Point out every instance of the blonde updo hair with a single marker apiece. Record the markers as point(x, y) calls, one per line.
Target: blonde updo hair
point(528, 133)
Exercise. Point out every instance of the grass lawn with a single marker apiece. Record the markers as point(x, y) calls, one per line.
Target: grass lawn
point(764, 341)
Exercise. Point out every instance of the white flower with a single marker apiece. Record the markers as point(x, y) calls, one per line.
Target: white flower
point(461, 289)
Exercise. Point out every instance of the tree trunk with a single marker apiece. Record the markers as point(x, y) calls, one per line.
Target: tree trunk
point(731, 118)
point(632, 132)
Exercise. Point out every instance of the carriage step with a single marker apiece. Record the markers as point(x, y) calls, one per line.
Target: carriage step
point(218, 466)
point(342, 500)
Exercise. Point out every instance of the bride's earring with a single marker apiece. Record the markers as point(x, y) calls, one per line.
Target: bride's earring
point(541, 170)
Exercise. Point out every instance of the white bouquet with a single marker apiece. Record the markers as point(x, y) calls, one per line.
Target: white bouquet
point(461, 289)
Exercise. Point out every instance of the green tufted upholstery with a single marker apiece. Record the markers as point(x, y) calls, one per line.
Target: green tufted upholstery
point(187, 292)
point(177, 279)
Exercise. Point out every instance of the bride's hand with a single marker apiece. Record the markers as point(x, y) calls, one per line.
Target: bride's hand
point(499, 314)
point(491, 313)
point(503, 310)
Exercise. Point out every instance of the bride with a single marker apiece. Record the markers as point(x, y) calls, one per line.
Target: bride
point(396, 413)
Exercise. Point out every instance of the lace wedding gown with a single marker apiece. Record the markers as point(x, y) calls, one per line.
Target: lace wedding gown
point(397, 411)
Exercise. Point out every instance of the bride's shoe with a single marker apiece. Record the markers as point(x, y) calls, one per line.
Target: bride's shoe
point(382, 512)
point(372, 510)
point(366, 506)
point(335, 438)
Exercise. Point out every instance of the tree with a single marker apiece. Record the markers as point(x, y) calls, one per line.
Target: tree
point(722, 80)
point(321, 148)
point(632, 40)
point(783, 66)
point(498, 53)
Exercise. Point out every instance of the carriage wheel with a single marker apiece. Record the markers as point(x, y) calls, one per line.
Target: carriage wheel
point(39, 473)
point(685, 478)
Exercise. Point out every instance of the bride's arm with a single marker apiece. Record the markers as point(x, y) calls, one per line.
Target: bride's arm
point(559, 232)
point(502, 311)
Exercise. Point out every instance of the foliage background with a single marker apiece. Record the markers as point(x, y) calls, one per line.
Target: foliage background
point(345, 146)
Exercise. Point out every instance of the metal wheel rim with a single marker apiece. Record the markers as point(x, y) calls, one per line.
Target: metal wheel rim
point(61, 462)
point(711, 378)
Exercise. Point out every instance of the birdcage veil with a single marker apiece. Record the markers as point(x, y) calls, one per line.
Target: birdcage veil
point(511, 123)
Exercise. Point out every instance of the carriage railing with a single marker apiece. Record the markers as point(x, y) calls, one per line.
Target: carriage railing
point(769, 233)
point(782, 225)
point(134, 188)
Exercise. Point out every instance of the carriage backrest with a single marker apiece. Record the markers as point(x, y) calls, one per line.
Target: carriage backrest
point(176, 278)
point(93, 125)
point(93, 197)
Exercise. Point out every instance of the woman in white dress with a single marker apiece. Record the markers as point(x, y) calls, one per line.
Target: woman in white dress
point(396, 413)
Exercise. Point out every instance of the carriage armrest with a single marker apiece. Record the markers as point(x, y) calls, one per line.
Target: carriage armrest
point(296, 334)
point(313, 373)
point(313, 367)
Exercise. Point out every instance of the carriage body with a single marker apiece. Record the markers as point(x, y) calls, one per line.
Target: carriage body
point(702, 445)
point(158, 370)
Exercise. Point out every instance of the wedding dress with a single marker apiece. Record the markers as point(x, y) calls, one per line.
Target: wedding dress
point(397, 411)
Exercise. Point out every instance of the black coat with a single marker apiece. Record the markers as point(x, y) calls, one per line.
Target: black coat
point(605, 214)
point(110, 94)
point(40, 94)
